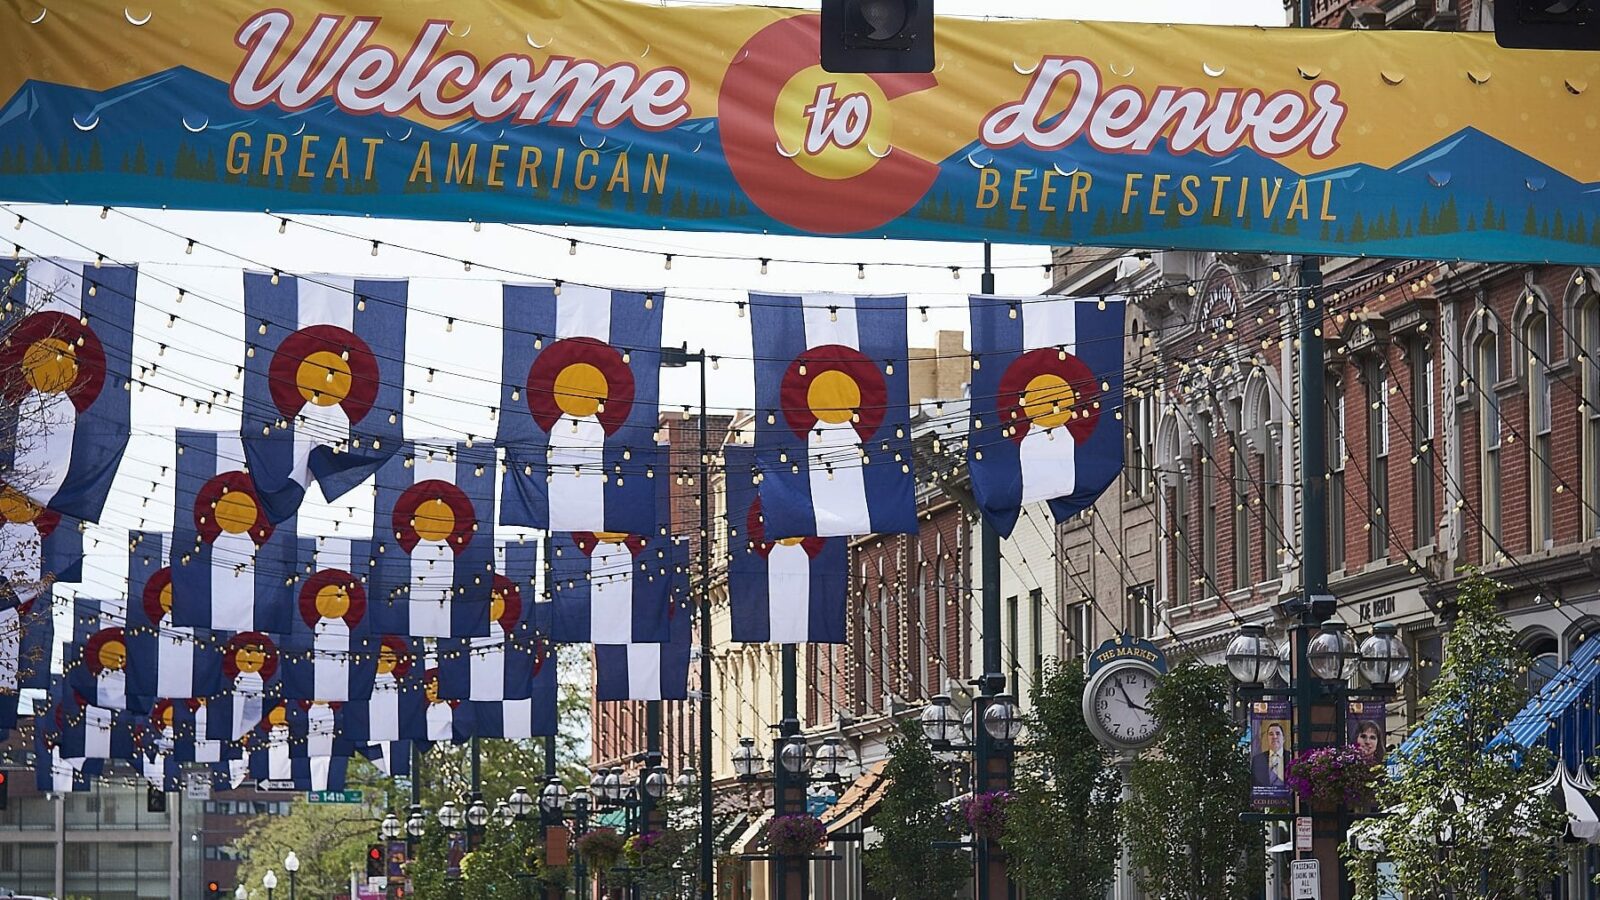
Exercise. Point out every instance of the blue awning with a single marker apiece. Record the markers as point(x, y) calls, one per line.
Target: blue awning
point(1563, 714)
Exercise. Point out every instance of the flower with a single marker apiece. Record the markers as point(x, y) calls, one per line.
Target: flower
point(600, 848)
point(1333, 775)
point(986, 813)
point(795, 835)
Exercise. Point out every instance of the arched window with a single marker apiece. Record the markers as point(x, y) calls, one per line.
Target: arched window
point(1207, 475)
point(1270, 489)
point(1536, 343)
point(1335, 429)
point(1424, 386)
point(1485, 375)
point(1588, 360)
point(1239, 494)
point(1544, 655)
point(1376, 377)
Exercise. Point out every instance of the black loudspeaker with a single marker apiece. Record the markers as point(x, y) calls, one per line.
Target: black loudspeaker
point(877, 35)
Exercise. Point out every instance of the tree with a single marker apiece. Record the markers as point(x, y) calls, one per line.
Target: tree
point(907, 865)
point(1182, 822)
point(330, 838)
point(1463, 818)
point(1061, 827)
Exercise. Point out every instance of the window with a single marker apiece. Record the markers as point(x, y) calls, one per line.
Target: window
point(1588, 360)
point(1545, 658)
point(1269, 489)
point(940, 596)
point(1182, 550)
point(1241, 508)
point(1036, 632)
point(1080, 623)
point(1536, 340)
point(1423, 385)
point(1141, 445)
point(1208, 505)
point(1377, 383)
point(1486, 357)
point(881, 648)
point(1011, 642)
point(1139, 614)
point(1336, 405)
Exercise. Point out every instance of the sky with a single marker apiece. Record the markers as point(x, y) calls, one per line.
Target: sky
point(198, 342)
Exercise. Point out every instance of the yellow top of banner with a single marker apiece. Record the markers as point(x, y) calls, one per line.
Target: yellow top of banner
point(1400, 91)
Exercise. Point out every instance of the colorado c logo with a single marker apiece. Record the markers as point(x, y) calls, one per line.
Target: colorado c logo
point(1048, 388)
point(55, 354)
point(323, 365)
point(581, 378)
point(228, 503)
point(434, 510)
point(332, 594)
point(813, 148)
point(833, 384)
point(157, 597)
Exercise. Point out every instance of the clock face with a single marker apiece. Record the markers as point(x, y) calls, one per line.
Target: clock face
point(1120, 704)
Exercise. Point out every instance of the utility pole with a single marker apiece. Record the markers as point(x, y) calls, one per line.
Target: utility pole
point(991, 764)
point(707, 834)
point(788, 788)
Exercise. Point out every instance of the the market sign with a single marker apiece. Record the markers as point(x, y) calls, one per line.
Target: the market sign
point(1408, 144)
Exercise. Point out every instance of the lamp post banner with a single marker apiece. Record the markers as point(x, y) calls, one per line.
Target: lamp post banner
point(1344, 143)
point(1271, 748)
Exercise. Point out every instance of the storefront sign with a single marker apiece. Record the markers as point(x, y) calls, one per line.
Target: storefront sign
point(1345, 143)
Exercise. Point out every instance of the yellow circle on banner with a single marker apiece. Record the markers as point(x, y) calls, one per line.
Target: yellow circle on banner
point(113, 655)
point(497, 605)
point(332, 601)
point(833, 396)
point(434, 520)
point(236, 512)
point(278, 716)
point(1048, 400)
point(832, 140)
point(50, 365)
point(16, 508)
point(323, 378)
point(250, 658)
point(165, 597)
point(580, 389)
point(387, 659)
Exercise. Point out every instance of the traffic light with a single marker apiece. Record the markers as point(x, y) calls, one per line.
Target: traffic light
point(5, 790)
point(155, 800)
point(877, 35)
point(375, 866)
point(213, 890)
point(1547, 24)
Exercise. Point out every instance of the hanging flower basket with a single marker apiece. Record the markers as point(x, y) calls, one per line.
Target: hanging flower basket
point(600, 848)
point(1329, 776)
point(986, 813)
point(795, 835)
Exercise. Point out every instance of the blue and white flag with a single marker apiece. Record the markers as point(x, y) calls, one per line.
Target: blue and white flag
point(433, 528)
point(323, 383)
point(177, 728)
point(55, 771)
point(1046, 403)
point(501, 665)
point(164, 660)
point(332, 653)
point(646, 671)
point(833, 432)
point(38, 641)
point(233, 569)
point(397, 680)
point(425, 716)
point(96, 664)
point(66, 351)
point(788, 591)
point(38, 547)
point(392, 758)
point(611, 588)
point(95, 732)
point(251, 664)
point(579, 408)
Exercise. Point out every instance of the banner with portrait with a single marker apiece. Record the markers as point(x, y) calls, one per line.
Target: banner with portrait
point(1271, 748)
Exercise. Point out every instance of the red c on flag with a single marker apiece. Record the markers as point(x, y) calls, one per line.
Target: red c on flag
point(53, 353)
point(434, 510)
point(1048, 387)
point(323, 365)
point(834, 384)
point(580, 377)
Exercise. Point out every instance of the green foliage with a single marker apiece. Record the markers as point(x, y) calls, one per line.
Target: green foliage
point(906, 865)
point(1182, 822)
point(1501, 837)
point(1061, 828)
point(330, 838)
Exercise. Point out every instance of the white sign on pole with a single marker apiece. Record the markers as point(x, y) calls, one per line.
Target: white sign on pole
point(1305, 880)
point(1302, 833)
point(197, 786)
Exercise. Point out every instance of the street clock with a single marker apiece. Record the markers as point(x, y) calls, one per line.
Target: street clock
point(1116, 701)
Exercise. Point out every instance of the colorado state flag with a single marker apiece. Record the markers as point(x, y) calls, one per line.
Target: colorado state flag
point(233, 568)
point(649, 671)
point(833, 433)
point(581, 369)
point(65, 364)
point(433, 533)
point(331, 653)
point(788, 591)
point(501, 665)
point(164, 660)
point(611, 588)
point(323, 383)
point(1046, 403)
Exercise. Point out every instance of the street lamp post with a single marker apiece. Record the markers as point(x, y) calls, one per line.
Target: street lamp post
point(1318, 681)
point(239, 893)
point(270, 882)
point(291, 864)
point(578, 808)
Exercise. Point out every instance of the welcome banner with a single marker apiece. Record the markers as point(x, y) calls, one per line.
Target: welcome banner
point(609, 113)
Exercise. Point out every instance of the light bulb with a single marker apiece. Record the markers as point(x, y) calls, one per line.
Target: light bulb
point(666, 262)
point(861, 271)
point(374, 248)
point(572, 248)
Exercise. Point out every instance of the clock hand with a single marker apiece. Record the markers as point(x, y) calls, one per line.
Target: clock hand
point(1125, 696)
